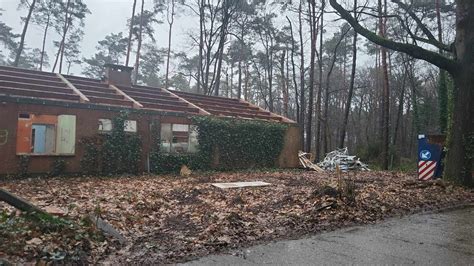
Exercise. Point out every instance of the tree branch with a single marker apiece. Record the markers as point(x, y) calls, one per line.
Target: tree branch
point(410, 49)
point(431, 39)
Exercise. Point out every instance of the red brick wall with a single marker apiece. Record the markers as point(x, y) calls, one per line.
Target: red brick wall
point(86, 125)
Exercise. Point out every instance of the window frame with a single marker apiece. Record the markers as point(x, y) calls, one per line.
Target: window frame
point(25, 137)
point(171, 142)
point(102, 131)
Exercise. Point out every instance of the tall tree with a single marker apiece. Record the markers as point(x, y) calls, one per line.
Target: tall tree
point(459, 161)
point(314, 33)
point(151, 60)
point(129, 47)
point(31, 7)
point(44, 17)
point(351, 83)
point(302, 75)
point(170, 13)
point(293, 68)
point(71, 17)
point(442, 86)
point(7, 40)
point(110, 50)
point(140, 38)
point(385, 85)
point(227, 11)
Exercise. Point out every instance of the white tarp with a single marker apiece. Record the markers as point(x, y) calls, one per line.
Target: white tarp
point(241, 184)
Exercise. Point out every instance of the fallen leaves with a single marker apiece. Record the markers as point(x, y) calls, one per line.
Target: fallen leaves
point(170, 219)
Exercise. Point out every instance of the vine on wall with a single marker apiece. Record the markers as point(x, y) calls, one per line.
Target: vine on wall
point(113, 153)
point(227, 144)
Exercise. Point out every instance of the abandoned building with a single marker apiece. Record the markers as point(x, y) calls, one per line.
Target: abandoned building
point(43, 115)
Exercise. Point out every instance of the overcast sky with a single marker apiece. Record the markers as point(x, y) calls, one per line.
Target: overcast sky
point(109, 16)
point(106, 16)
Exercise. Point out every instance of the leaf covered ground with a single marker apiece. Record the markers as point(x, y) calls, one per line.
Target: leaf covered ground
point(170, 219)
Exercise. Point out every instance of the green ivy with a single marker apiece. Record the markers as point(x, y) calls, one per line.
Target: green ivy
point(114, 153)
point(227, 144)
point(58, 167)
point(24, 165)
point(90, 159)
point(163, 163)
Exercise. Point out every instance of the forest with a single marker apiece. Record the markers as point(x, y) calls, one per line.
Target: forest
point(369, 75)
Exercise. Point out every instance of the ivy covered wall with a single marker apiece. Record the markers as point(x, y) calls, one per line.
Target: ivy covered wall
point(227, 144)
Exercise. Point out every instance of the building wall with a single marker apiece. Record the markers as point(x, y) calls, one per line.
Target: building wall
point(87, 121)
point(289, 155)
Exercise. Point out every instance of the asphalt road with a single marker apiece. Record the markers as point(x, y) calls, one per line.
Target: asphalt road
point(444, 238)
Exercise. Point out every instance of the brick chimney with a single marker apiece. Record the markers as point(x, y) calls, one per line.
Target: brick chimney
point(118, 74)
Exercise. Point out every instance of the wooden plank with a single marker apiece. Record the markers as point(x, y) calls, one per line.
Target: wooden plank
point(18, 202)
point(241, 184)
point(136, 104)
point(74, 89)
point(201, 111)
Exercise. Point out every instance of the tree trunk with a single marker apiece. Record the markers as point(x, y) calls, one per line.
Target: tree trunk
point(242, 45)
point(293, 68)
point(320, 90)
point(400, 112)
point(140, 37)
point(302, 79)
point(201, 45)
point(170, 22)
point(246, 83)
point(442, 86)
point(23, 34)
point(351, 84)
point(312, 24)
point(269, 70)
point(66, 27)
point(45, 34)
point(129, 47)
point(284, 88)
point(63, 38)
point(386, 94)
point(459, 160)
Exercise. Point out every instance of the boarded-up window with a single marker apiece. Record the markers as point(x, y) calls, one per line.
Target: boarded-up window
point(130, 126)
point(66, 134)
point(105, 125)
point(46, 134)
point(178, 138)
point(43, 139)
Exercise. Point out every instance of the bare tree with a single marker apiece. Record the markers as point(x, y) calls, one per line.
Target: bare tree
point(461, 67)
point(129, 47)
point(170, 18)
point(23, 33)
point(140, 38)
point(351, 83)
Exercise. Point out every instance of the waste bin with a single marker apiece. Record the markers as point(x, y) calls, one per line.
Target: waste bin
point(430, 156)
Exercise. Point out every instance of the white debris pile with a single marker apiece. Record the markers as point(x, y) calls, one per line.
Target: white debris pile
point(345, 161)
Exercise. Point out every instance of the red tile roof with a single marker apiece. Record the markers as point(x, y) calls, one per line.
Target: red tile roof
point(16, 82)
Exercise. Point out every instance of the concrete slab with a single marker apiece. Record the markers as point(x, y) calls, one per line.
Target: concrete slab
point(241, 184)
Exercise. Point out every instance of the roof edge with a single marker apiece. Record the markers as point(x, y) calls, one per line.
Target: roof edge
point(283, 118)
point(201, 110)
